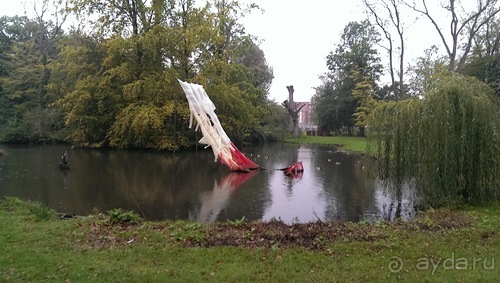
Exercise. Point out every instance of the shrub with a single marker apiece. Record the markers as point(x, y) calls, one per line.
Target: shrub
point(118, 215)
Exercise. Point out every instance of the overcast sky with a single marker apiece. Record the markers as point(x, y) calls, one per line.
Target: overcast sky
point(297, 36)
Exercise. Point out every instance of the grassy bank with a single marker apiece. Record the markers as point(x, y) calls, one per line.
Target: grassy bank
point(356, 144)
point(442, 245)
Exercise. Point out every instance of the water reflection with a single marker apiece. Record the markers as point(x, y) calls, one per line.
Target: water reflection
point(213, 202)
point(189, 185)
point(396, 200)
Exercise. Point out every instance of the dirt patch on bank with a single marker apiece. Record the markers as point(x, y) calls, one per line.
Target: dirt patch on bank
point(267, 235)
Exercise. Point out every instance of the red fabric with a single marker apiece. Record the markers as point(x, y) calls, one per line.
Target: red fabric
point(238, 162)
point(295, 168)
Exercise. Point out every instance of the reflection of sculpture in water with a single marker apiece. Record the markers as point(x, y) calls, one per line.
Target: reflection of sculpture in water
point(65, 178)
point(213, 202)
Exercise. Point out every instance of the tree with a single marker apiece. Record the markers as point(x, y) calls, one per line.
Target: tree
point(355, 53)
point(5, 48)
point(254, 77)
point(334, 106)
point(484, 62)
point(447, 142)
point(116, 17)
point(156, 43)
point(29, 48)
point(131, 99)
point(364, 93)
point(115, 84)
point(274, 123)
point(464, 26)
point(423, 71)
point(251, 56)
point(487, 39)
point(293, 110)
point(485, 69)
point(387, 16)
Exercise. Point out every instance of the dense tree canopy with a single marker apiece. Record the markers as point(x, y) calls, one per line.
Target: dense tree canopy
point(112, 79)
point(484, 63)
point(355, 65)
point(28, 47)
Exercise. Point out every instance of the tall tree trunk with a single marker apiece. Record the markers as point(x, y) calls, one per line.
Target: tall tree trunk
point(293, 111)
point(291, 104)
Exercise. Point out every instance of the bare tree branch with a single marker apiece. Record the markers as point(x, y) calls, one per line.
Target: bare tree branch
point(392, 9)
point(457, 26)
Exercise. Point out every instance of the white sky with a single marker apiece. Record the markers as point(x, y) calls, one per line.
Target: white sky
point(297, 36)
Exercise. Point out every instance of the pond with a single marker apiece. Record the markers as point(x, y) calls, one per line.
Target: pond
point(188, 185)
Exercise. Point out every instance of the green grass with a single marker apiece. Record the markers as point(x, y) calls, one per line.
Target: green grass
point(355, 144)
point(434, 247)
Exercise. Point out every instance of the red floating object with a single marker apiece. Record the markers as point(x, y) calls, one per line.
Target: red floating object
point(295, 171)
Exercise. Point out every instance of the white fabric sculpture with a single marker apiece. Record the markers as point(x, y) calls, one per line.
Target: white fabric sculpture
point(203, 110)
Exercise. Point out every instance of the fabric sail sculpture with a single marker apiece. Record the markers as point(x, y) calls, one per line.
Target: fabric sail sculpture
point(203, 110)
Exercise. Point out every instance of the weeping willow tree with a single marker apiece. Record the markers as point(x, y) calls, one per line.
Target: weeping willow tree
point(448, 141)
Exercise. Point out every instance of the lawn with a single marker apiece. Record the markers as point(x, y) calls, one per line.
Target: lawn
point(356, 144)
point(439, 246)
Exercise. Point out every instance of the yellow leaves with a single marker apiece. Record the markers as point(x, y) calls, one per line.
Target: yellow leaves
point(144, 125)
point(137, 121)
point(155, 89)
point(364, 92)
point(147, 118)
point(133, 90)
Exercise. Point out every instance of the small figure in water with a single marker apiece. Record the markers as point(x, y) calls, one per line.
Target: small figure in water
point(64, 164)
point(64, 158)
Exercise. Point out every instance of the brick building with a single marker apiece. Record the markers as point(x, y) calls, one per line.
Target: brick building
point(305, 121)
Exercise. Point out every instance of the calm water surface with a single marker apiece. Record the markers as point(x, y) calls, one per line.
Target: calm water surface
point(189, 185)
